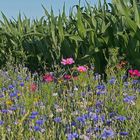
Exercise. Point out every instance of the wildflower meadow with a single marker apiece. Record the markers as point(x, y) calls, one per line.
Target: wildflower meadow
point(72, 78)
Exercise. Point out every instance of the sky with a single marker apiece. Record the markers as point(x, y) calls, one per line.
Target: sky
point(33, 8)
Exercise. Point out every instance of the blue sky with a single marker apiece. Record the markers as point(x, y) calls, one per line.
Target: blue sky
point(33, 8)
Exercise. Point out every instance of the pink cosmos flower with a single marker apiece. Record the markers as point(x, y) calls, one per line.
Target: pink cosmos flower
point(48, 78)
point(82, 68)
point(67, 61)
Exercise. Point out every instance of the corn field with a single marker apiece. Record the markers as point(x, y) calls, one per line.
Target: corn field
point(88, 34)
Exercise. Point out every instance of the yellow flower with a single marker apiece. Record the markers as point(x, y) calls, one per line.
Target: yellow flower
point(36, 99)
point(9, 102)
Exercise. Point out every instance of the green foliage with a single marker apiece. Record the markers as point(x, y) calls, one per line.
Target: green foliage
point(87, 34)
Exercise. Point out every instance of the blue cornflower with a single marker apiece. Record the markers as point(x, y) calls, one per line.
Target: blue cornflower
point(81, 119)
point(13, 108)
point(1, 122)
point(95, 117)
point(57, 119)
point(121, 118)
point(40, 122)
point(34, 113)
point(90, 109)
point(86, 116)
point(37, 128)
point(83, 94)
point(103, 118)
point(10, 86)
point(4, 89)
point(96, 129)
point(19, 77)
point(123, 133)
point(1, 95)
point(112, 114)
point(89, 130)
point(4, 111)
point(27, 78)
point(135, 82)
point(108, 122)
point(73, 123)
point(129, 99)
point(72, 136)
point(14, 94)
point(32, 116)
point(112, 80)
point(107, 133)
point(22, 84)
point(100, 87)
point(124, 77)
point(99, 103)
point(98, 110)
point(75, 135)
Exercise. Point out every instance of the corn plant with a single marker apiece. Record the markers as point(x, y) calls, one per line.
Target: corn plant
point(87, 34)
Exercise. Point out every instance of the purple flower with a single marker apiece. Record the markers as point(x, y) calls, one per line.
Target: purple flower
point(99, 103)
point(72, 136)
point(107, 133)
point(22, 84)
point(37, 128)
point(13, 108)
point(112, 80)
point(73, 123)
point(14, 94)
point(135, 82)
point(81, 119)
point(121, 118)
point(32, 116)
point(57, 119)
point(4, 111)
point(27, 78)
point(129, 99)
point(1, 95)
point(100, 87)
point(34, 113)
point(4, 89)
point(103, 118)
point(96, 129)
point(95, 117)
point(123, 133)
point(75, 135)
point(1, 122)
point(40, 122)
point(19, 77)
point(108, 122)
point(89, 130)
point(10, 86)
point(112, 114)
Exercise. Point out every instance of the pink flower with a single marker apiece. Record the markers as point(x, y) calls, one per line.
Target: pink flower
point(48, 78)
point(33, 87)
point(67, 76)
point(82, 68)
point(134, 73)
point(67, 61)
point(130, 72)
